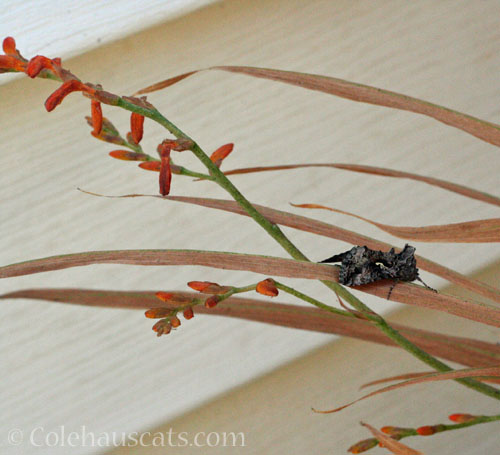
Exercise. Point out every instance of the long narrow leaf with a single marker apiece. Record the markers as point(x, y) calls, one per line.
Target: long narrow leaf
point(453, 187)
point(479, 231)
point(465, 351)
point(271, 266)
point(455, 374)
point(487, 131)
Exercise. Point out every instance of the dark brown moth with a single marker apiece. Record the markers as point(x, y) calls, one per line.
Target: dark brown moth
point(361, 265)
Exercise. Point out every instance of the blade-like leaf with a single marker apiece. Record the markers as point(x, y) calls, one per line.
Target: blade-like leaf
point(479, 231)
point(400, 377)
point(266, 265)
point(465, 351)
point(390, 444)
point(453, 187)
point(455, 374)
point(487, 131)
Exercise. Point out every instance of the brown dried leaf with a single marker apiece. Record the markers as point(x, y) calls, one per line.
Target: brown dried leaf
point(455, 374)
point(413, 376)
point(391, 444)
point(487, 131)
point(453, 187)
point(479, 231)
point(465, 351)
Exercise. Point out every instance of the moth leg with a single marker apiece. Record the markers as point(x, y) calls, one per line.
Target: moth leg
point(428, 287)
point(390, 290)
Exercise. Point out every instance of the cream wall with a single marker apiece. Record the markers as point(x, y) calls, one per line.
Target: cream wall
point(104, 369)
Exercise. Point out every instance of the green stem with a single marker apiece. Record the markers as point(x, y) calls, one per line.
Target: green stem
point(311, 300)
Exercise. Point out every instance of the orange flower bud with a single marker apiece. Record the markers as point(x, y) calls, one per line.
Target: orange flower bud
point(267, 287)
point(175, 321)
point(96, 111)
point(188, 313)
point(164, 296)
point(222, 152)
point(462, 418)
point(165, 173)
point(162, 328)
point(7, 62)
point(211, 301)
point(136, 127)
point(151, 166)
point(396, 432)
point(9, 46)
point(157, 313)
point(128, 156)
point(64, 90)
point(208, 288)
point(38, 63)
point(428, 430)
point(363, 446)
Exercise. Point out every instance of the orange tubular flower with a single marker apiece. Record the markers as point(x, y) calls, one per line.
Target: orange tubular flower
point(165, 169)
point(39, 62)
point(10, 63)
point(96, 110)
point(188, 313)
point(128, 156)
point(157, 313)
point(222, 152)
point(9, 46)
point(136, 127)
point(363, 446)
point(151, 166)
point(462, 418)
point(64, 90)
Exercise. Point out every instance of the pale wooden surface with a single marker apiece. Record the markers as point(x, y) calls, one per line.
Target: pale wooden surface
point(74, 366)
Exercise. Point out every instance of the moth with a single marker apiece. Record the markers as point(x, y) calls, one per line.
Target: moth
point(361, 265)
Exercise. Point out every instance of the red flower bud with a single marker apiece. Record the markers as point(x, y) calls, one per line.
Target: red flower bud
point(363, 446)
point(64, 90)
point(157, 313)
point(9, 46)
point(151, 166)
point(267, 287)
point(96, 111)
point(208, 288)
point(211, 301)
point(164, 296)
point(188, 313)
point(7, 62)
point(128, 156)
point(38, 63)
point(165, 172)
point(222, 152)
point(162, 328)
point(175, 321)
point(428, 430)
point(136, 127)
point(462, 418)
